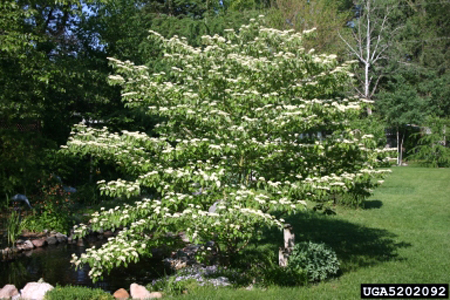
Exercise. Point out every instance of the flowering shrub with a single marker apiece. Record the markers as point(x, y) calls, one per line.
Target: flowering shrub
point(253, 126)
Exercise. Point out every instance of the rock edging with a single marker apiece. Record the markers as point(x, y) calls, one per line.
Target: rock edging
point(32, 290)
point(31, 241)
point(37, 290)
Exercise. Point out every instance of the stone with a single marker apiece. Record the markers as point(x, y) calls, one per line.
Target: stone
point(35, 290)
point(25, 245)
point(51, 240)
point(9, 291)
point(7, 251)
point(184, 237)
point(121, 294)
point(62, 238)
point(156, 295)
point(39, 242)
point(139, 292)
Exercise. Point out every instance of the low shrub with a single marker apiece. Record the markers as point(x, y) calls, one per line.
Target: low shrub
point(48, 220)
point(77, 293)
point(318, 260)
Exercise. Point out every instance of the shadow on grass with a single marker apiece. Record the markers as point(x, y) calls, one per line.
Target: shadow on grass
point(372, 204)
point(356, 246)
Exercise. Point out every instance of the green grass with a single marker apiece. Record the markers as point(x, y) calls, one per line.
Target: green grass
point(401, 236)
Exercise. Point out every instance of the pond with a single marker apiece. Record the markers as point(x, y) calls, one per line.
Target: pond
point(52, 263)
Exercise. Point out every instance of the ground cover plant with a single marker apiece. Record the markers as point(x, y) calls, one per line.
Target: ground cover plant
point(401, 236)
point(253, 126)
point(77, 292)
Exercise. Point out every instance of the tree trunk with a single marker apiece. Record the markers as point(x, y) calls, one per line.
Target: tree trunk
point(367, 60)
point(289, 240)
point(444, 131)
point(401, 146)
point(399, 149)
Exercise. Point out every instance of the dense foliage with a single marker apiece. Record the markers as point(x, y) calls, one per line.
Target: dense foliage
point(77, 292)
point(317, 260)
point(432, 149)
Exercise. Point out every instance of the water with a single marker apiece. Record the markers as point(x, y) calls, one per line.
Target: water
point(52, 263)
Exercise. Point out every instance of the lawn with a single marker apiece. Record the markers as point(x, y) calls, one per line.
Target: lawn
point(401, 236)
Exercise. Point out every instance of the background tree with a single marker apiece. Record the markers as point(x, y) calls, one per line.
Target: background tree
point(47, 73)
point(426, 43)
point(431, 149)
point(53, 67)
point(328, 17)
point(418, 64)
point(372, 35)
point(402, 108)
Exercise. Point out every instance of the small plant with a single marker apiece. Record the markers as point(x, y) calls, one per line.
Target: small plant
point(318, 260)
point(76, 293)
point(13, 227)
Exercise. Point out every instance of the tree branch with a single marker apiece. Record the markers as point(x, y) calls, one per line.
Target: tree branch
point(351, 48)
